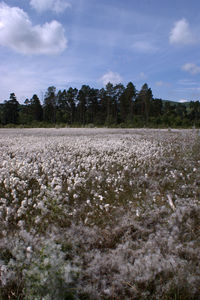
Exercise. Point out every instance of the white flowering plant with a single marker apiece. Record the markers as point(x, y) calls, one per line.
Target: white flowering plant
point(99, 214)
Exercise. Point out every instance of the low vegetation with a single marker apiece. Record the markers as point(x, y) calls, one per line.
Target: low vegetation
point(99, 214)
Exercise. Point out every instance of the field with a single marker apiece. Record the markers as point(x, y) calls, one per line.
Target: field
point(99, 214)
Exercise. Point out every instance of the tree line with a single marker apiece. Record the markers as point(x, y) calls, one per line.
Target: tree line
point(114, 105)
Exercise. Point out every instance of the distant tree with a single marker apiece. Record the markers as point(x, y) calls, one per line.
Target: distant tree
point(102, 106)
point(62, 112)
point(126, 103)
point(25, 116)
point(49, 107)
point(93, 106)
point(10, 112)
point(111, 104)
point(194, 112)
point(31, 111)
point(66, 105)
point(156, 108)
point(169, 108)
point(181, 110)
point(169, 114)
point(139, 106)
point(1, 111)
point(71, 100)
point(36, 108)
point(117, 100)
point(145, 98)
point(83, 102)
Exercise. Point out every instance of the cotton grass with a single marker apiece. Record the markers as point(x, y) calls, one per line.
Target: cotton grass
point(99, 214)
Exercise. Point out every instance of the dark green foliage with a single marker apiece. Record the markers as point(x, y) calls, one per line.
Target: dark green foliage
point(36, 109)
point(144, 102)
point(127, 103)
point(32, 111)
point(49, 106)
point(10, 113)
point(83, 103)
point(66, 106)
point(113, 106)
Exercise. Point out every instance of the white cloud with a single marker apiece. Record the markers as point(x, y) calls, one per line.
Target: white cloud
point(183, 100)
point(57, 6)
point(187, 82)
point(182, 34)
point(144, 46)
point(142, 75)
point(160, 83)
point(18, 33)
point(191, 68)
point(111, 77)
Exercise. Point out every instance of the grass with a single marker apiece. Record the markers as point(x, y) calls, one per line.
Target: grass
point(85, 214)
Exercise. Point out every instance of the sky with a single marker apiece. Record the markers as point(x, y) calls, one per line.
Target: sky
point(68, 43)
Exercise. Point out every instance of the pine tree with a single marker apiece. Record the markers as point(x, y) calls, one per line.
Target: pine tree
point(50, 105)
point(11, 110)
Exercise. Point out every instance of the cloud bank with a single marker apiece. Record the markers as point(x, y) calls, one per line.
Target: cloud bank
point(183, 101)
point(18, 33)
point(57, 6)
point(111, 77)
point(182, 34)
point(144, 46)
point(191, 68)
point(160, 83)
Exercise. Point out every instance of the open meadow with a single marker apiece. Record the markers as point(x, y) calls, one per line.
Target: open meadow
point(99, 214)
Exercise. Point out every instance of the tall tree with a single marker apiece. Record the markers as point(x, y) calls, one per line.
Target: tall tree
point(145, 97)
point(71, 100)
point(83, 102)
point(93, 106)
point(194, 112)
point(111, 104)
point(63, 110)
point(50, 101)
point(102, 106)
point(156, 108)
point(11, 110)
point(66, 104)
point(36, 108)
point(25, 115)
point(126, 103)
point(117, 97)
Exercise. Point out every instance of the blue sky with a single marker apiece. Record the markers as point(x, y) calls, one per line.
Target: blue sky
point(74, 42)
